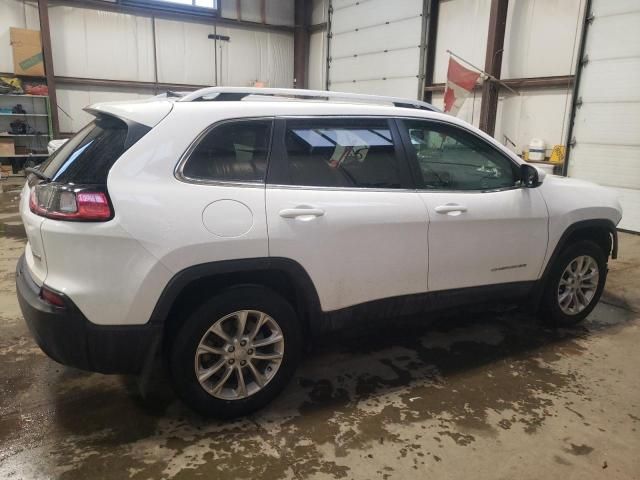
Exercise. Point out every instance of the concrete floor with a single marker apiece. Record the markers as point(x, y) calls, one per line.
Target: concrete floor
point(478, 395)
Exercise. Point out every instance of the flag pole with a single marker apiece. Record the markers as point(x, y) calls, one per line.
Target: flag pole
point(488, 75)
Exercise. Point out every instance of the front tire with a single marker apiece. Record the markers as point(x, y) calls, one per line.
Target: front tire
point(236, 352)
point(574, 285)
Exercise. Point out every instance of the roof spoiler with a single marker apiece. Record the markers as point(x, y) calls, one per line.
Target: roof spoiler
point(145, 112)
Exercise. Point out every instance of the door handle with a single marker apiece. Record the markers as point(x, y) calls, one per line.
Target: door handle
point(452, 209)
point(301, 212)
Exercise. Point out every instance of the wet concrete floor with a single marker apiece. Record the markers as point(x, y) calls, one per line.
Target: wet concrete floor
point(479, 394)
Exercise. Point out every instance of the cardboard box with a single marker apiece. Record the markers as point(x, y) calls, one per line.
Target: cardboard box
point(27, 52)
point(7, 147)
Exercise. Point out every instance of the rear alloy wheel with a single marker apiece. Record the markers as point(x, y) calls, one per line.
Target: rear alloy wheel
point(236, 352)
point(239, 355)
point(574, 284)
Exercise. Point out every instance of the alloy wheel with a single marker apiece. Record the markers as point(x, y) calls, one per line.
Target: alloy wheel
point(578, 284)
point(239, 354)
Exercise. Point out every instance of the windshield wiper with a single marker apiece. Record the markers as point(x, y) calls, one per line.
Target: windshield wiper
point(37, 173)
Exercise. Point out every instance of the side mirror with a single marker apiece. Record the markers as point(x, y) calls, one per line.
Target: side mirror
point(530, 176)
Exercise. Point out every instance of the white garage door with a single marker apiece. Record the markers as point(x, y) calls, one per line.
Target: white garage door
point(607, 124)
point(375, 47)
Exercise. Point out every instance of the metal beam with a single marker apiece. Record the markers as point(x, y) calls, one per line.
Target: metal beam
point(301, 40)
point(493, 64)
point(45, 36)
point(132, 85)
point(580, 61)
point(432, 34)
point(559, 81)
point(263, 11)
point(318, 27)
point(171, 12)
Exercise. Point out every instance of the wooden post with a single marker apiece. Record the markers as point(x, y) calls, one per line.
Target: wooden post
point(493, 64)
point(45, 35)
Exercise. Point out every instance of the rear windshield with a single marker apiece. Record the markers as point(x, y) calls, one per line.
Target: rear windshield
point(88, 156)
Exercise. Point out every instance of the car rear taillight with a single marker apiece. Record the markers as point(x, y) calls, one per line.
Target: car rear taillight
point(63, 202)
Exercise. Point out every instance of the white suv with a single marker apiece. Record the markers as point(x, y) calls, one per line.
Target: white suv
point(222, 229)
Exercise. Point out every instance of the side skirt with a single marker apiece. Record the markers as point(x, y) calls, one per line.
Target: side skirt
point(390, 308)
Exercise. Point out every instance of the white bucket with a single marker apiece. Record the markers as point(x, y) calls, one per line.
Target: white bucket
point(537, 149)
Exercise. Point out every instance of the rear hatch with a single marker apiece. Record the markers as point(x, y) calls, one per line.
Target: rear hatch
point(72, 184)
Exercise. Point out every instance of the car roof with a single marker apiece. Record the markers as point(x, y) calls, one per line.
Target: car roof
point(221, 103)
point(151, 111)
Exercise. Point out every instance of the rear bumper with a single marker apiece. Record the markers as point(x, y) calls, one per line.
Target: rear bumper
point(66, 335)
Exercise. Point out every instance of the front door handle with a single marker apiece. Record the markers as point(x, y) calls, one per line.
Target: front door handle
point(452, 209)
point(301, 212)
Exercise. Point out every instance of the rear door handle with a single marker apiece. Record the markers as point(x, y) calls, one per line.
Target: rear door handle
point(451, 209)
point(301, 212)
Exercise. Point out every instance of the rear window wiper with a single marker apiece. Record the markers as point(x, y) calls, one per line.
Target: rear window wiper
point(38, 174)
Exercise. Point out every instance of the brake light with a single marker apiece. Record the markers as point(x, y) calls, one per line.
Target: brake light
point(64, 203)
point(51, 297)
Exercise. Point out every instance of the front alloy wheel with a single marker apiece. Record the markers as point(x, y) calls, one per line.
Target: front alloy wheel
point(574, 284)
point(239, 354)
point(578, 285)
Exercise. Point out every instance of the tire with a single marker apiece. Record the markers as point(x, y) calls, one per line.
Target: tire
point(200, 346)
point(557, 309)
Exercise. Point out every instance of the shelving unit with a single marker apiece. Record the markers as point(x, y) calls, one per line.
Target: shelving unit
point(23, 115)
point(32, 147)
point(3, 135)
point(29, 155)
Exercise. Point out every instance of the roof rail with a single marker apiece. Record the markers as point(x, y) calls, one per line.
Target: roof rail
point(218, 94)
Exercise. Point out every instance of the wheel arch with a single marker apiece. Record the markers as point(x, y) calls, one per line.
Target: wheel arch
point(601, 231)
point(187, 289)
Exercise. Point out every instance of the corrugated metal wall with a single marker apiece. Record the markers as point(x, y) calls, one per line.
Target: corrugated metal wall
point(97, 44)
point(15, 13)
point(607, 123)
point(375, 46)
point(540, 40)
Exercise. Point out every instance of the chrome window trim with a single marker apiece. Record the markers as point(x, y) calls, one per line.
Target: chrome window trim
point(342, 189)
point(178, 171)
point(179, 174)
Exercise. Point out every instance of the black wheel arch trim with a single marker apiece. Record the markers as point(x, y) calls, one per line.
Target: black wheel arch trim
point(603, 223)
point(303, 284)
point(581, 225)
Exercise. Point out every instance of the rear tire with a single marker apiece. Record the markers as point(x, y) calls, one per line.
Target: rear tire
point(236, 352)
point(574, 285)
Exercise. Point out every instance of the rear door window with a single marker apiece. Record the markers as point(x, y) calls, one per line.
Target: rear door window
point(88, 156)
point(347, 153)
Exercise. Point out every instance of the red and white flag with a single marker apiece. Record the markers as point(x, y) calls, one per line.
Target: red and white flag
point(460, 83)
